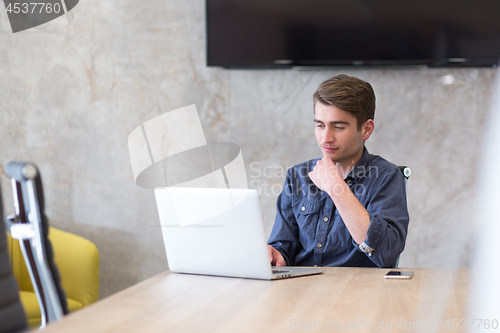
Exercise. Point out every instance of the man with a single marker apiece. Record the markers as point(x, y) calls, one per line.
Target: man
point(348, 208)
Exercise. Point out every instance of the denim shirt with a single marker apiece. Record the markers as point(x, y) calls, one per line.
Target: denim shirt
point(309, 231)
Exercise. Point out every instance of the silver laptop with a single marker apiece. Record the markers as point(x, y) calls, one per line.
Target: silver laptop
point(214, 231)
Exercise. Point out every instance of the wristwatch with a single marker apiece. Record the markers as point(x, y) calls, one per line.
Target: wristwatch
point(366, 249)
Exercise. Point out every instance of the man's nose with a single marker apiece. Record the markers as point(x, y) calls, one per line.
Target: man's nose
point(328, 136)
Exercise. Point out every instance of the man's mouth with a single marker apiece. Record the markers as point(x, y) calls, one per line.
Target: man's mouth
point(329, 149)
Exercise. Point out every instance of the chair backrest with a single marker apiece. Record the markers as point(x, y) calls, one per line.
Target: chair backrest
point(12, 317)
point(30, 225)
point(406, 173)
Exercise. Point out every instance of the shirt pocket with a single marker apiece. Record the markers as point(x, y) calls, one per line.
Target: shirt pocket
point(306, 213)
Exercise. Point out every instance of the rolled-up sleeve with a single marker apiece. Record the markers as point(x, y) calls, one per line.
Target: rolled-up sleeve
point(389, 218)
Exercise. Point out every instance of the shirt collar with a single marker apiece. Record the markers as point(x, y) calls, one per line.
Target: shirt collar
point(360, 169)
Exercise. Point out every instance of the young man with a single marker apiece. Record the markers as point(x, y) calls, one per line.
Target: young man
point(348, 208)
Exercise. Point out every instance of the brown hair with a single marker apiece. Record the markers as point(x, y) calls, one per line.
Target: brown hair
point(349, 94)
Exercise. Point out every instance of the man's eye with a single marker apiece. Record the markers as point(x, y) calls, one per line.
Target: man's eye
point(319, 125)
point(339, 128)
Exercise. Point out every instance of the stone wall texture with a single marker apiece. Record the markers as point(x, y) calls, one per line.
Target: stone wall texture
point(72, 90)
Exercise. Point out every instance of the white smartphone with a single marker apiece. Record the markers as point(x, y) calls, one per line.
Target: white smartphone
point(398, 275)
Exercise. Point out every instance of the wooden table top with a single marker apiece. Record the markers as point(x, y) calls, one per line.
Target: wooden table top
point(356, 299)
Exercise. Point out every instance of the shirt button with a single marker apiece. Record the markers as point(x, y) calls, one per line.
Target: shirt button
point(303, 208)
point(320, 245)
point(325, 219)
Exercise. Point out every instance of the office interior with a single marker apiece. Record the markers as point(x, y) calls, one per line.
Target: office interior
point(73, 89)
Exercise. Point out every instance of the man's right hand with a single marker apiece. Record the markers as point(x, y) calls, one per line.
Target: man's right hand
point(275, 257)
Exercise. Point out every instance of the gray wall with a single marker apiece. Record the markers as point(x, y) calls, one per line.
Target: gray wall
point(72, 90)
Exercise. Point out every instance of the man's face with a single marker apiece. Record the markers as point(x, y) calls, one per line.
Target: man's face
point(338, 136)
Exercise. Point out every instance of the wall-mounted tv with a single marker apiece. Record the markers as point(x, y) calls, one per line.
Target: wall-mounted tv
point(295, 33)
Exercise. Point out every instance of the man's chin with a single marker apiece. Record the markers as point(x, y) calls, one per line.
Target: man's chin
point(330, 156)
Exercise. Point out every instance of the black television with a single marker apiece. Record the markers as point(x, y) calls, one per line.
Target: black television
point(301, 33)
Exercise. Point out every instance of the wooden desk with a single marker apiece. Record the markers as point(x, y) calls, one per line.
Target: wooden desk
point(354, 299)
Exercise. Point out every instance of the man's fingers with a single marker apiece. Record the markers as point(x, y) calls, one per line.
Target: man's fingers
point(275, 257)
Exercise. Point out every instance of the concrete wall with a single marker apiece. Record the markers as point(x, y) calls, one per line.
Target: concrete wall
point(72, 90)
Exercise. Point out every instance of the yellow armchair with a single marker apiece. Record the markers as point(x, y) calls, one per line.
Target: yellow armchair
point(77, 260)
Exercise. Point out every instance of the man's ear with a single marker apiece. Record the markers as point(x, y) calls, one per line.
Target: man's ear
point(367, 129)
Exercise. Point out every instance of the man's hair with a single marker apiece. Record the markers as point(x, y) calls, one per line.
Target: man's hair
point(349, 94)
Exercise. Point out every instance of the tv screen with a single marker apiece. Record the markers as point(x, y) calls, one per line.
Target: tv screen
point(288, 33)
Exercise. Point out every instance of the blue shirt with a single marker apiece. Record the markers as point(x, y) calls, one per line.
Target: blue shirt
point(309, 231)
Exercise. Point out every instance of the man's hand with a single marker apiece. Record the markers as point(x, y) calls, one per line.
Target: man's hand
point(325, 175)
point(275, 257)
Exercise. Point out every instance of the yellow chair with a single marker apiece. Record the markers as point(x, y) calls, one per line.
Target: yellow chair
point(78, 262)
